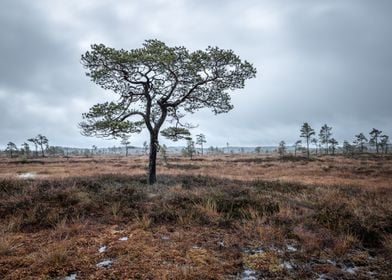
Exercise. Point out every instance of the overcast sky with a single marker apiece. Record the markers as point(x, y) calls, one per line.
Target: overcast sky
point(318, 61)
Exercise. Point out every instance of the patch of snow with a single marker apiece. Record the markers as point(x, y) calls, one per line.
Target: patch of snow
point(253, 250)
point(71, 276)
point(105, 263)
point(273, 248)
point(102, 249)
point(221, 244)
point(351, 270)
point(349, 267)
point(125, 238)
point(248, 274)
point(331, 262)
point(165, 237)
point(322, 277)
point(26, 175)
point(287, 265)
point(372, 273)
point(291, 248)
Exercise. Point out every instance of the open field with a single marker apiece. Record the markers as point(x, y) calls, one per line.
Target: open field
point(227, 217)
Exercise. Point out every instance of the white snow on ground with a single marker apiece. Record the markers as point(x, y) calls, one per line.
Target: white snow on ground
point(26, 175)
point(105, 263)
point(125, 238)
point(287, 265)
point(291, 248)
point(351, 270)
point(248, 274)
point(322, 277)
point(72, 276)
point(102, 249)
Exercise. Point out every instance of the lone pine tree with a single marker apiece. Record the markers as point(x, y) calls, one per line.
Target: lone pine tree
point(157, 84)
point(307, 132)
point(325, 135)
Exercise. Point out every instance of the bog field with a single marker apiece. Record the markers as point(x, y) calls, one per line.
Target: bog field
point(212, 217)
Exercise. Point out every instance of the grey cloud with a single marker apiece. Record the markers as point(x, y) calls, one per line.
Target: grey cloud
point(318, 61)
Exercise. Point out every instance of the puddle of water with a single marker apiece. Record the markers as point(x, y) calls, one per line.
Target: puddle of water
point(102, 249)
point(71, 276)
point(248, 274)
point(105, 263)
point(125, 238)
point(26, 175)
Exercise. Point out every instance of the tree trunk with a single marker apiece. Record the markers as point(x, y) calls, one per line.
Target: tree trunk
point(307, 144)
point(42, 151)
point(152, 164)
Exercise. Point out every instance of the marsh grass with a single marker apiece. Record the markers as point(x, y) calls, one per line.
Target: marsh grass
point(207, 222)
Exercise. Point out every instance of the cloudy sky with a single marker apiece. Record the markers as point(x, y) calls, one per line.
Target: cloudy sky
point(318, 61)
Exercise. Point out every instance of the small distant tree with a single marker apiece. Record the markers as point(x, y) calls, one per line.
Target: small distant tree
point(348, 148)
point(360, 141)
point(200, 139)
point(315, 143)
point(94, 149)
point(35, 142)
point(384, 141)
point(145, 147)
point(42, 141)
point(307, 132)
point(375, 138)
point(333, 143)
point(11, 149)
point(54, 150)
point(258, 150)
point(125, 142)
point(282, 148)
point(25, 149)
point(325, 136)
point(297, 146)
point(189, 150)
point(163, 153)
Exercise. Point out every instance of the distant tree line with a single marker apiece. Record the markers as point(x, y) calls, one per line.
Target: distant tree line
point(326, 144)
point(40, 142)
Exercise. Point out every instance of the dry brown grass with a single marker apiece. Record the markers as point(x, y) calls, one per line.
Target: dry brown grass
point(205, 219)
point(364, 171)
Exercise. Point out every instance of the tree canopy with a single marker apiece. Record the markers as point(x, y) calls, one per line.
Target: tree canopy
point(158, 83)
